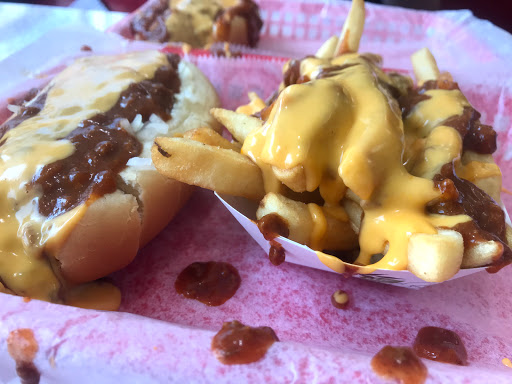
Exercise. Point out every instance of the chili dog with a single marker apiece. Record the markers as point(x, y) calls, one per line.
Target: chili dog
point(78, 192)
point(199, 22)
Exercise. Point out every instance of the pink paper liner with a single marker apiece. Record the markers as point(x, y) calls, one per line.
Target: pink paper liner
point(317, 340)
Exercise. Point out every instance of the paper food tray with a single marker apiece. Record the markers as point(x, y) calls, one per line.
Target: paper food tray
point(159, 336)
point(244, 212)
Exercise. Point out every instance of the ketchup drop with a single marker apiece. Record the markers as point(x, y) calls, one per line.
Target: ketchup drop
point(399, 363)
point(212, 283)
point(440, 344)
point(237, 343)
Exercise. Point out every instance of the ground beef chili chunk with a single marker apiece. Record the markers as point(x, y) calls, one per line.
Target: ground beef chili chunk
point(477, 137)
point(248, 10)
point(459, 196)
point(103, 146)
point(150, 23)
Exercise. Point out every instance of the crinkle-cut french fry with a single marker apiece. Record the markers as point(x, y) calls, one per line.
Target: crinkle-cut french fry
point(222, 170)
point(424, 66)
point(435, 257)
point(352, 29)
point(326, 51)
point(354, 212)
point(294, 178)
point(208, 136)
point(238, 124)
point(481, 254)
point(338, 235)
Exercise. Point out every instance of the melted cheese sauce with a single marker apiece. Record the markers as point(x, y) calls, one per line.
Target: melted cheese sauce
point(90, 86)
point(343, 132)
point(430, 144)
point(193, 20)
point(254, 106)
point(429, 113)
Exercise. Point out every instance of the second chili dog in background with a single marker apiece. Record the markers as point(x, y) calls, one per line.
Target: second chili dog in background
point(199, 22)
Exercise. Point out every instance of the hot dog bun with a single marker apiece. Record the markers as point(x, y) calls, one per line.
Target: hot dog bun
point(104, 232)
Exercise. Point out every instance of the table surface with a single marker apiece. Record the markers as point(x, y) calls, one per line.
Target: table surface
point(22, 24)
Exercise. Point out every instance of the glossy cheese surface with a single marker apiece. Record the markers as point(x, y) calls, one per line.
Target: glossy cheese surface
point(344, 131)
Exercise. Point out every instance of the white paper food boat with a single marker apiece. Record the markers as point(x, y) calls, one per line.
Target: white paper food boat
point(244, 212)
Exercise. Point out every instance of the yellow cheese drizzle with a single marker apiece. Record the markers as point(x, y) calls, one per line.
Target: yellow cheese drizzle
point(256, 104)
point(429, 113)
point(89, 86)
point(430, 144)
point(345, 125)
